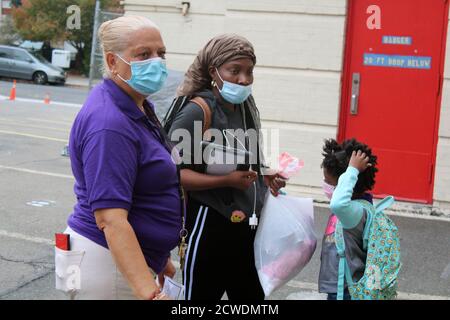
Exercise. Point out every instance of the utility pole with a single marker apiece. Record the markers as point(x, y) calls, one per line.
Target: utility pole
point(94, 43)
point(1, 11)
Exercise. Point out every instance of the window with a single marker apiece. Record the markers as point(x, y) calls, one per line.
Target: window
point(39, 57)
point(6, 53)
point(21, 55)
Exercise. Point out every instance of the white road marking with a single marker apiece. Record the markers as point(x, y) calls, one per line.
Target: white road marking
point(63, 122)
point(20, 236)
point(44, 173)
point(15, 123)
point(401, 295)
point(15, 133)
point(40, 203)
point(65, 104)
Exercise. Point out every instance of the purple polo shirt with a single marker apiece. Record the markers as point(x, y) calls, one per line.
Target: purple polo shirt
point(119, 161)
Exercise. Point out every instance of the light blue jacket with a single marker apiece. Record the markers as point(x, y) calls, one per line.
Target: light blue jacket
point(349, 212)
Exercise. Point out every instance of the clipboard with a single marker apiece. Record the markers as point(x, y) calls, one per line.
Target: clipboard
point(222, 160)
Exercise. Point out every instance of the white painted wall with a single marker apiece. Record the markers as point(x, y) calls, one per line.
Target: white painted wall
point(299, 46)
point(299, 57)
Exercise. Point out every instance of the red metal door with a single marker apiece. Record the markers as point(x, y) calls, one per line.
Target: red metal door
point(391, 89)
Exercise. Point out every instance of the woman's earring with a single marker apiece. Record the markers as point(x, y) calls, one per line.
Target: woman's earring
point(213, 83)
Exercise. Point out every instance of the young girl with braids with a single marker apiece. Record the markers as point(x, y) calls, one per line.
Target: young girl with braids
point(349, 172)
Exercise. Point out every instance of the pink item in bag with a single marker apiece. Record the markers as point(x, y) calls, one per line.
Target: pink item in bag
point(291, 262)
point(289, 165)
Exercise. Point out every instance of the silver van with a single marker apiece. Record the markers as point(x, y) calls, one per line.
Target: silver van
point(18, 63)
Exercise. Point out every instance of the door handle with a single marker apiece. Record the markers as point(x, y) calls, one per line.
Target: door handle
point(356, 80)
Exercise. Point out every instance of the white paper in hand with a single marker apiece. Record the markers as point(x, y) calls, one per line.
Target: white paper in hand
point(173, 289)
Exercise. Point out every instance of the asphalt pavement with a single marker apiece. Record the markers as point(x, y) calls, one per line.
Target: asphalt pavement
point(77, 94)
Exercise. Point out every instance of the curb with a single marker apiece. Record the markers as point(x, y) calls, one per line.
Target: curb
point(399, 212)
point(400, 208)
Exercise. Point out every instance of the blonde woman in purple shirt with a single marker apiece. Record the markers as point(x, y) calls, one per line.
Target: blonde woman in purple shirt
point(128, 213)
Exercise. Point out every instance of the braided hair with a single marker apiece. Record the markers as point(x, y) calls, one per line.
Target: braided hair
point(337, 157)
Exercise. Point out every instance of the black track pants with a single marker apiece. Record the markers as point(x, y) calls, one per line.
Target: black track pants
point(219, 258)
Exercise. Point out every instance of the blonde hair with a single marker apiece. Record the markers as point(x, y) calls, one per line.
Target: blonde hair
point(114, 35)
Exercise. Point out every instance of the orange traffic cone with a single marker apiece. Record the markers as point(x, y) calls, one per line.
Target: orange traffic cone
point(12, 95)
point(47, 98)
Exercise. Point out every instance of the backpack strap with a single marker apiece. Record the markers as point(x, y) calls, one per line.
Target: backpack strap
point(384, 204)
point(176, 106)
point(207, 115)
point(370, 211)
point(344, 272)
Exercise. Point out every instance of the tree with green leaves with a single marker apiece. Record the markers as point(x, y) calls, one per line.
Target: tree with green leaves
point(46, 20)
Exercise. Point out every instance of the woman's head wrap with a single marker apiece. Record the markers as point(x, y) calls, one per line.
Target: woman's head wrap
point(218, 50)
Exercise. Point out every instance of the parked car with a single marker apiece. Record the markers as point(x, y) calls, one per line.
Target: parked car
point(18, 63)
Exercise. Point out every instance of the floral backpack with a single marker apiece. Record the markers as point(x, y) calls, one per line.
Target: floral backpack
point(380, 239)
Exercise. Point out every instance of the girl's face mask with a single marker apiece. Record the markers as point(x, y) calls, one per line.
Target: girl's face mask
point(147, 76)
point(232, 92)
point(328, 189)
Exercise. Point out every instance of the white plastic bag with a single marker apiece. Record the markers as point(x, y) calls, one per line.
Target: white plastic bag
point(285, 240)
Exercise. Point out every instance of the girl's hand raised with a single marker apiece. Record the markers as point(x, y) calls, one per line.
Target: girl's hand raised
point(360, 161)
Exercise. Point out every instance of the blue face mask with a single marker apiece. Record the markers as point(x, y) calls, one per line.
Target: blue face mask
point(232, 92)
point(147, 76)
